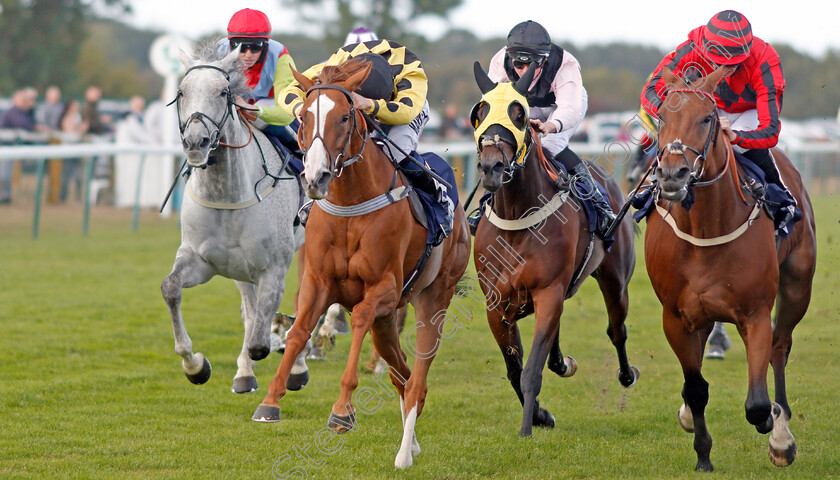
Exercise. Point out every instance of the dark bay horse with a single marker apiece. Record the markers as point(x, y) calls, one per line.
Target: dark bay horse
point(719, 261)
point(533, 250)
point(363, 261)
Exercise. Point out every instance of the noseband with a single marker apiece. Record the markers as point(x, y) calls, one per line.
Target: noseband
point(336, 163)
point(698, 167)
point(509, 166)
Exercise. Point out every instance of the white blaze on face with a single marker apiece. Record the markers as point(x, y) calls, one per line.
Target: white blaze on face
point(316, 154)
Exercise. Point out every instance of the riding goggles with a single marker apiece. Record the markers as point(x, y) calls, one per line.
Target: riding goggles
point(523, 59)
point(252, 45)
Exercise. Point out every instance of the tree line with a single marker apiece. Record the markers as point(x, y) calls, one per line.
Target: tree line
point(78, 49)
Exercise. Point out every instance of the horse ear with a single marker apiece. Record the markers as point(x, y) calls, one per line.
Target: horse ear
point(481, 78)
point(668, 77)
point(713, 79)
point(304, 81)
point(185, 59)
point(231, 61)
point(525, 80)
point(357, 79)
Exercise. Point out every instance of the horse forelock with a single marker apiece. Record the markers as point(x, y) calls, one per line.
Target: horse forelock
point(210, 53)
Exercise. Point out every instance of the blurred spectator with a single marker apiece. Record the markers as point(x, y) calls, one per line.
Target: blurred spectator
point(99, 130)
point(19, 116)
point(132, 128)
point(72, 130)
point(450, 128)
point(98, 124)
point(49, 112)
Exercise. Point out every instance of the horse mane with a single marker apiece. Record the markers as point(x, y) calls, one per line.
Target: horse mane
point(210, 52)
point(334, 74)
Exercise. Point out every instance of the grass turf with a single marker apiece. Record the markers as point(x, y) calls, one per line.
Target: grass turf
point(91, 386)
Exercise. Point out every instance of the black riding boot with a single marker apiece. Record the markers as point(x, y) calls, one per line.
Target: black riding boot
point(762, 158)
point(575, 166)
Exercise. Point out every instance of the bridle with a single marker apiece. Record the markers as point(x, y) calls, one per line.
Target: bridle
point(509, 166)
point(698, 167)
point(336, 165)
point(215, 133)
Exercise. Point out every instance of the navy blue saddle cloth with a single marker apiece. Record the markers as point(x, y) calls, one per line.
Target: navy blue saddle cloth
point(436, 212)
point(582, 190)
point(776, 198)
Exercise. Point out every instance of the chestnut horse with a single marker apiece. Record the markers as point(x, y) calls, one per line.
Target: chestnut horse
point(527, 266)
point(363, 261)
point(719, 261)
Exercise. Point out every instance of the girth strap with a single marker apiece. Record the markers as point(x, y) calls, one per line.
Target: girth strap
point(363, 208)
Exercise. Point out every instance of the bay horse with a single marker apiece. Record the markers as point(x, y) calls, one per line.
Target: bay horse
point(362, 261)
point(237, 218)
point(533, 248)
point(719, 261)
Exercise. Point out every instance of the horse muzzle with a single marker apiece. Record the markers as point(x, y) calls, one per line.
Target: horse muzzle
point(673, 182)
point(492, 175)
point(197, 146)
point(319, 187)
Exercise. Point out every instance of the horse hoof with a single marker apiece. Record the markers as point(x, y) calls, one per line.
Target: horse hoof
point(342, 423)
point(544, 418)
point(244, 385)
point(202, 376)
point(267, 414)
point(704, 466)
point(783, 458)
point(628, 381)
point(403, 460)
point(571, 366)
point(297, 381)
point(686, 419)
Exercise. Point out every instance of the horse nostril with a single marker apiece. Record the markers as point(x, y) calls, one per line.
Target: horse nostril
point(683, 172)
point(205, 142)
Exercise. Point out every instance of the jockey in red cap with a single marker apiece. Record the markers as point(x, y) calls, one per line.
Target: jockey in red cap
point(266, 63)
point(749, 98)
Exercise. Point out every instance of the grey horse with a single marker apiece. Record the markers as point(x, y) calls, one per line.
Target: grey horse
point(237, 216)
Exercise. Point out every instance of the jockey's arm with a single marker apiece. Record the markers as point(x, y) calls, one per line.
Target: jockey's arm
point(411, 89)
point(768, 105)
point(568, 93)
point(278, 115)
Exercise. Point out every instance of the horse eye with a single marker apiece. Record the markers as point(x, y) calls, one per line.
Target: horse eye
point(345, 118)
point(707, 120)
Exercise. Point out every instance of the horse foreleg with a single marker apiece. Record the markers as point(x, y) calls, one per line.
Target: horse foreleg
point(688, 347)
point(614, 290)
point(188, 271)
point(423, 339)
point(548, 306)
point(245, 381)
point(757, 335)
point(311, 302)
point(375, 304)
